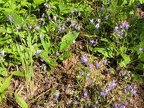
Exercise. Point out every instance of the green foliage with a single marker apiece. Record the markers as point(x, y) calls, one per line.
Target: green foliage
point(20, 101)
point(29, 26)
point(68, 40)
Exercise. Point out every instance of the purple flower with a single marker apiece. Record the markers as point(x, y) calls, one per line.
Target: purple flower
point(103, 94)
point(85, 95)
point(76, 102)
point(84, 59)
point(91, 41)
point(97, 26)
point(56, 95)
point(38, 52)
point(37, 27)
point(134, 91)
point(91, 21)
point(73, 23)
point(97, 65)
point(88, 75)
point(68, 19)
point(125, 25)
point(78, 27)
point(114, 84)
point(116, 28)
point(122, 106)
point(106, 17)
point(116, 105)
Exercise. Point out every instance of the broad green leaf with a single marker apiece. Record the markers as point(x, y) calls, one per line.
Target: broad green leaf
point(65, 55)
point(138, 78)
point(46, 44)
point(18, 73)
point(125, 61)
point(107, 52)
point(141, 57)
point(20, 101)
point(68, 40)
point(3, 71)
point(140, 66)
point(37, 2)
point(5, 84)
point(4, 39)
point(141, 1)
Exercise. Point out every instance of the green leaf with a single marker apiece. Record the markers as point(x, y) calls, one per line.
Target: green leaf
point(18, 73)
point(20, 101)
point(5, 84)
point(68, 40)
point(106, 51)
point(141, 57)
point(141, 1)
point(140, 66)
point(65, 55)
point(125, 61)
point(138, 78)
point(3, 71)
point(37, 2)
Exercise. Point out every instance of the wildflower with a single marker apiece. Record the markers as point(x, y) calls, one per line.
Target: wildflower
point(91, 21)
point(90, 66)
point(30, 27)
point(122, 106)
point(74, 42)
point(106, 18)
point(68, 19)
point(88, 75)
point(116, 105)
point(84, 59)
point(133, 91)
point(140, 50)
point(54, 18)
point(72, 12)
point(43, 15)
point(57, 53)
point(76, 102)
point(99, 20)
point(73, 23)
point(116, 28)
point(79, 14)
point(85, 95)
point(103, 94)
point(10, 19)
point(41, 36)
point(91, 41)
point(78, 27)
point(58, 22)
point(44, 68)
point(47, 5)
point(114, 84)
point(37, 27)
point(125, 25)
point(2, 53)
point(97, 26)
point(97, 65)
point(18, 27)
point(56, 95)
point(38, 52)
